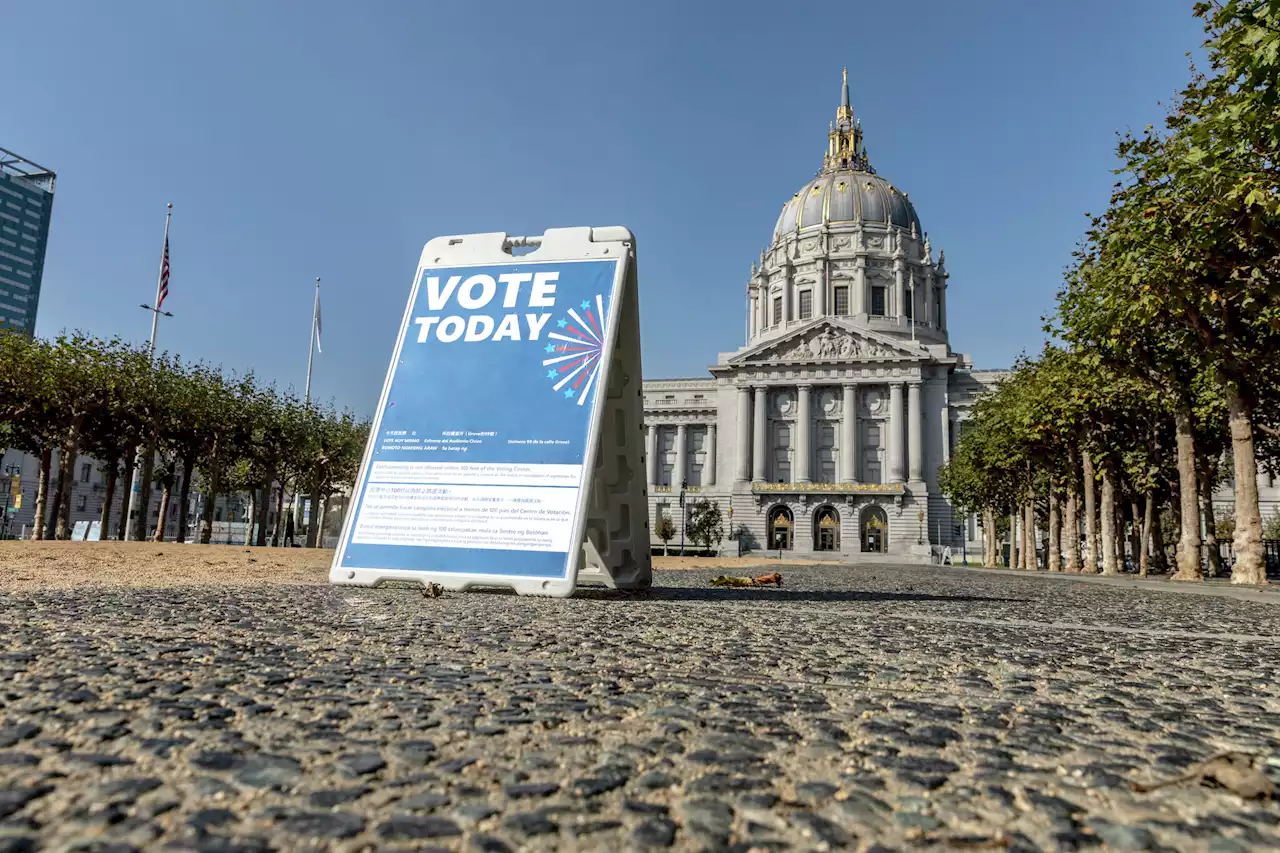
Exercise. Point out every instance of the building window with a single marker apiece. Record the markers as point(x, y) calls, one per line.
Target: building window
point(777, 310)
point(82, 503)
point(842, 301)
point(806, 304)
point(782, 454)
point(86, 471)
point(909, 309)
point(667, 471)
point(826, 452)
point(877, 300)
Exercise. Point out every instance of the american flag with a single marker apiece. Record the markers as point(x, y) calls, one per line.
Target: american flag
point(164, 276)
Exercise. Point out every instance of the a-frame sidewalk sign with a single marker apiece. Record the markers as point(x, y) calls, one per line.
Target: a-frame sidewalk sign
point(507, 446)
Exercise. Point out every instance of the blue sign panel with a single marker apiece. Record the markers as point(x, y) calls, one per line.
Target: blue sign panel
point(480, 444)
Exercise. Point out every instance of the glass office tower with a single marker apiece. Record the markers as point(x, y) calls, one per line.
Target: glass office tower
point(26, 202)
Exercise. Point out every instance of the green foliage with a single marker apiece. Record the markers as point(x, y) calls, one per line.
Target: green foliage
point(664, 528)
point(1271, 525)
point(706, 525)
point(106, 398)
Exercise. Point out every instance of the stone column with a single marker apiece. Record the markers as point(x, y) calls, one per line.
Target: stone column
point(753, 309)
point(858, 298)
point(849, 436)
point(946, 432)
point(709, 466)
point(682, 457)
point(651, 457)
point(930, 311)
point(914, 448)
point(803, 428)
point(786, 302)
point(942, 303)
point(900, 289)
point(759, 471)
point(894, 444)
point(820, 294)
point(744, 435)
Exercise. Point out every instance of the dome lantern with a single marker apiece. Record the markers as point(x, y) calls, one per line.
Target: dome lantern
point(847, 189)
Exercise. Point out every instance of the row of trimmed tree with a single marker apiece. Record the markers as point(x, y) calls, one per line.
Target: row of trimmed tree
point(1169, 323)
point(107, 399)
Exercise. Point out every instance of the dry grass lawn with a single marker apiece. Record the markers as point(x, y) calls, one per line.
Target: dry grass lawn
point(63, 565)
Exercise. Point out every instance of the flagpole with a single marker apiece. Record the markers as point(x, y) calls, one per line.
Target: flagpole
point(315, 312)
point(134, 485)
point(155, 312)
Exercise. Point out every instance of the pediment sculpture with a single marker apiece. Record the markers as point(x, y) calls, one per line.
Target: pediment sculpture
point(830, 344)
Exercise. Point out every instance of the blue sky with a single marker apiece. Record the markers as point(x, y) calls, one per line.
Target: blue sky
point(319, 138)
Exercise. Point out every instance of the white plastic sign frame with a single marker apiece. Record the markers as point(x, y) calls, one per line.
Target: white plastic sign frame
point(555, 493)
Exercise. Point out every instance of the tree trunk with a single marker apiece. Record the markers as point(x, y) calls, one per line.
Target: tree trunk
point(162, 515)
point(250, 516)
point(1071, 526)
point(1135, 533)
point(126, 478)
point(63, 483)
point(1029, 534)
point(1159, 554)
point(1211, 546)
point(297, 504)
point(1013, 540)
point(1249, 567)
point(1188, 552)
point(1090, 566)
point(142, 527)
point(264, 513)
point(313, 536)
point(1148, 522)
point(989, 540)
point(277, 529)
point(1108, 510)
point(1120, 535)
point(184, 500)
point(210, 499)
point(71, 453)
point(42, 495)
point(1053, 558)
point(110, 468)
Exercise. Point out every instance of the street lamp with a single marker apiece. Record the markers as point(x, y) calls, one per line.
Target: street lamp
point(684, 517)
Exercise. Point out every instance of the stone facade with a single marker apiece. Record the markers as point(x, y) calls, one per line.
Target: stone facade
point(825, 431)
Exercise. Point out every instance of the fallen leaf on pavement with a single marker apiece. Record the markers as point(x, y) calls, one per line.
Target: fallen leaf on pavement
point(1231, 770)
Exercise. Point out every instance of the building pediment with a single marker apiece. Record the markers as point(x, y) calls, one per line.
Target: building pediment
point(826, 340)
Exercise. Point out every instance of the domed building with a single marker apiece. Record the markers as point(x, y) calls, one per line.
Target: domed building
point(826, 430)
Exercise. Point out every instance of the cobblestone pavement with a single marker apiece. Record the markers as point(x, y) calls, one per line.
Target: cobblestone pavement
point(863, 708)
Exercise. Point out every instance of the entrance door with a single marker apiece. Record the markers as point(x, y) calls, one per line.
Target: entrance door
point(826, 530)
point(875, 530)
point(780, 529)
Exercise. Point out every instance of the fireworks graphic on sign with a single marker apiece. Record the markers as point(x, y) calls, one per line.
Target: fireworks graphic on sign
point(575, 350)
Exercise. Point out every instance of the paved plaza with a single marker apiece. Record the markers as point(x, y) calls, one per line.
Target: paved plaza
point(862, 708)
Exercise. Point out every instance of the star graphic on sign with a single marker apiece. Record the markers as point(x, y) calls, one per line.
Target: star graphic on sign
point(551, 348)
point(551, 374)
point(585, 305)
point(568, 392)
point(562, 323)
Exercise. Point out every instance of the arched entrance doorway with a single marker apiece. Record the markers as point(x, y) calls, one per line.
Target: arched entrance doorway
point(781, 529)
point(826, 529)
point(875, 530)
